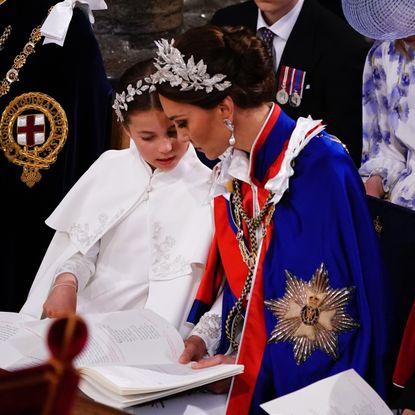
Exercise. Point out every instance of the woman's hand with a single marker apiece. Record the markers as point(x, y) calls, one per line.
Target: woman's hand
point(374, 187)
point(62, 297)
point(221, 386)
point(194, 350)
point(408, 412)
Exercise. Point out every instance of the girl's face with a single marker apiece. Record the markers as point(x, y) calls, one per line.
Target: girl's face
point(156, 139)
point(204, 128)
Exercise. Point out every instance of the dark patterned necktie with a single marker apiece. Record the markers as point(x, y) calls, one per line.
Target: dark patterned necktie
point(268, 37)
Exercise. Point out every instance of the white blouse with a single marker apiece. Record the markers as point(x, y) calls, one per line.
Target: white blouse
point(389, 121)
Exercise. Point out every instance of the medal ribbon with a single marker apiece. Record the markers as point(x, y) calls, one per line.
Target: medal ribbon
point(293, 73)
point(297, 82)
point(283, 77)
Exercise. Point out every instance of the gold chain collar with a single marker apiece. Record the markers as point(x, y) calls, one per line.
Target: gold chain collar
point(3, 38)
point(235, 316)
point(12, 74)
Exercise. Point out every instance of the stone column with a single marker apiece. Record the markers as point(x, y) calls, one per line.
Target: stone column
point(126, 31)
point(199, 12)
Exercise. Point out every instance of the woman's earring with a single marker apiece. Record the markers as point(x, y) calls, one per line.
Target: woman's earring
point(229, 126)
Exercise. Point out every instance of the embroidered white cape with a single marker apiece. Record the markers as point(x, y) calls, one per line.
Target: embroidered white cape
point(177, 209)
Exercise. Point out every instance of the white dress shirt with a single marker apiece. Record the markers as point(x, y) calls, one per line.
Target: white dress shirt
point(282, 29)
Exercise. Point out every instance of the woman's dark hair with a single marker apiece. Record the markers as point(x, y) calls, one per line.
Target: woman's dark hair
point(146, 100)
point(234, 52)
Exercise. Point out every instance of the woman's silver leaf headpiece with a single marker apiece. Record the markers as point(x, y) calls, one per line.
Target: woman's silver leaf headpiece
point(172, 68)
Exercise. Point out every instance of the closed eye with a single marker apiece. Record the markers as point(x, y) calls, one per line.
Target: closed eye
point(181, 124)
point(147, 137)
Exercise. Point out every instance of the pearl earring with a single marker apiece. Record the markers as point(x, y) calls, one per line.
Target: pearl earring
point(229, 125)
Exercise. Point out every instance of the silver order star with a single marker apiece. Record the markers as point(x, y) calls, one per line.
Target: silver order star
point(311, 315)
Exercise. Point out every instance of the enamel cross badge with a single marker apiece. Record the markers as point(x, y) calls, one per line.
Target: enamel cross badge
point(33, 130)
point(311, 315)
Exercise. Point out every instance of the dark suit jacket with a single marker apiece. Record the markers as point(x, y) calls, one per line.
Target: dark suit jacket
point(333, 56)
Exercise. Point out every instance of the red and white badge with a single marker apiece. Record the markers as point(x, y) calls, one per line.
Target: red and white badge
point(30, 129)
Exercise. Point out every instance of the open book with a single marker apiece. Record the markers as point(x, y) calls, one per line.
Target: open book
point(344, 393)
point(131, 356)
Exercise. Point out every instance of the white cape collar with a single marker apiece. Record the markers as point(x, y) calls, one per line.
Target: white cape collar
point(235, 164)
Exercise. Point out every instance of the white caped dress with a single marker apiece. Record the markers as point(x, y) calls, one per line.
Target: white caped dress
point(134, 238)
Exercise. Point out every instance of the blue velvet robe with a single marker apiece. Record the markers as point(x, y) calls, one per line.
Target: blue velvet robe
point(321, 218)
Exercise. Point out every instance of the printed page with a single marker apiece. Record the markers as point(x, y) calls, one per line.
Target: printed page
point(122, 386)
point(10, 324)
point(190, 403)
point(133, 337)
point(18, 340)
point(343, 394)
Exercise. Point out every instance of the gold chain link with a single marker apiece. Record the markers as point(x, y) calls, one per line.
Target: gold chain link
point(3, 38)
point(235, 315)
point(12, 75)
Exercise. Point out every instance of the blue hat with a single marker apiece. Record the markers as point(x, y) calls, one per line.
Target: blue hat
point(381, 19)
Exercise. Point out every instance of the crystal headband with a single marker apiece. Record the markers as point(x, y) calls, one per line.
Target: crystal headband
point(121, 100)
point(172, 68)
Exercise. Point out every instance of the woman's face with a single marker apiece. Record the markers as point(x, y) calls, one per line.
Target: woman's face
point(156, 139)
point(204, 128)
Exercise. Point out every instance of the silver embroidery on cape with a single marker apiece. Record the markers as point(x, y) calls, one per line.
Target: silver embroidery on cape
point(165, 259)
point(85, 236)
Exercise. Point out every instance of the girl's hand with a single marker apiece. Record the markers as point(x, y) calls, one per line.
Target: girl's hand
point(62, 297)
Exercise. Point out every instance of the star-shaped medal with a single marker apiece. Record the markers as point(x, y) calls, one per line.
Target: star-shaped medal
point(311, 315)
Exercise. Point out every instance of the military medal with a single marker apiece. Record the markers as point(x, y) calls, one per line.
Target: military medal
point(296, 87)
point(311, 315)
point(295, 99)
point(282, 94)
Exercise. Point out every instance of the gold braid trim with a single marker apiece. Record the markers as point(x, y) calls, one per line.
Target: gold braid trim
point(235, 316)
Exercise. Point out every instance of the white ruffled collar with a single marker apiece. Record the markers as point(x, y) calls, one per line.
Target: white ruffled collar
point(236, 164)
